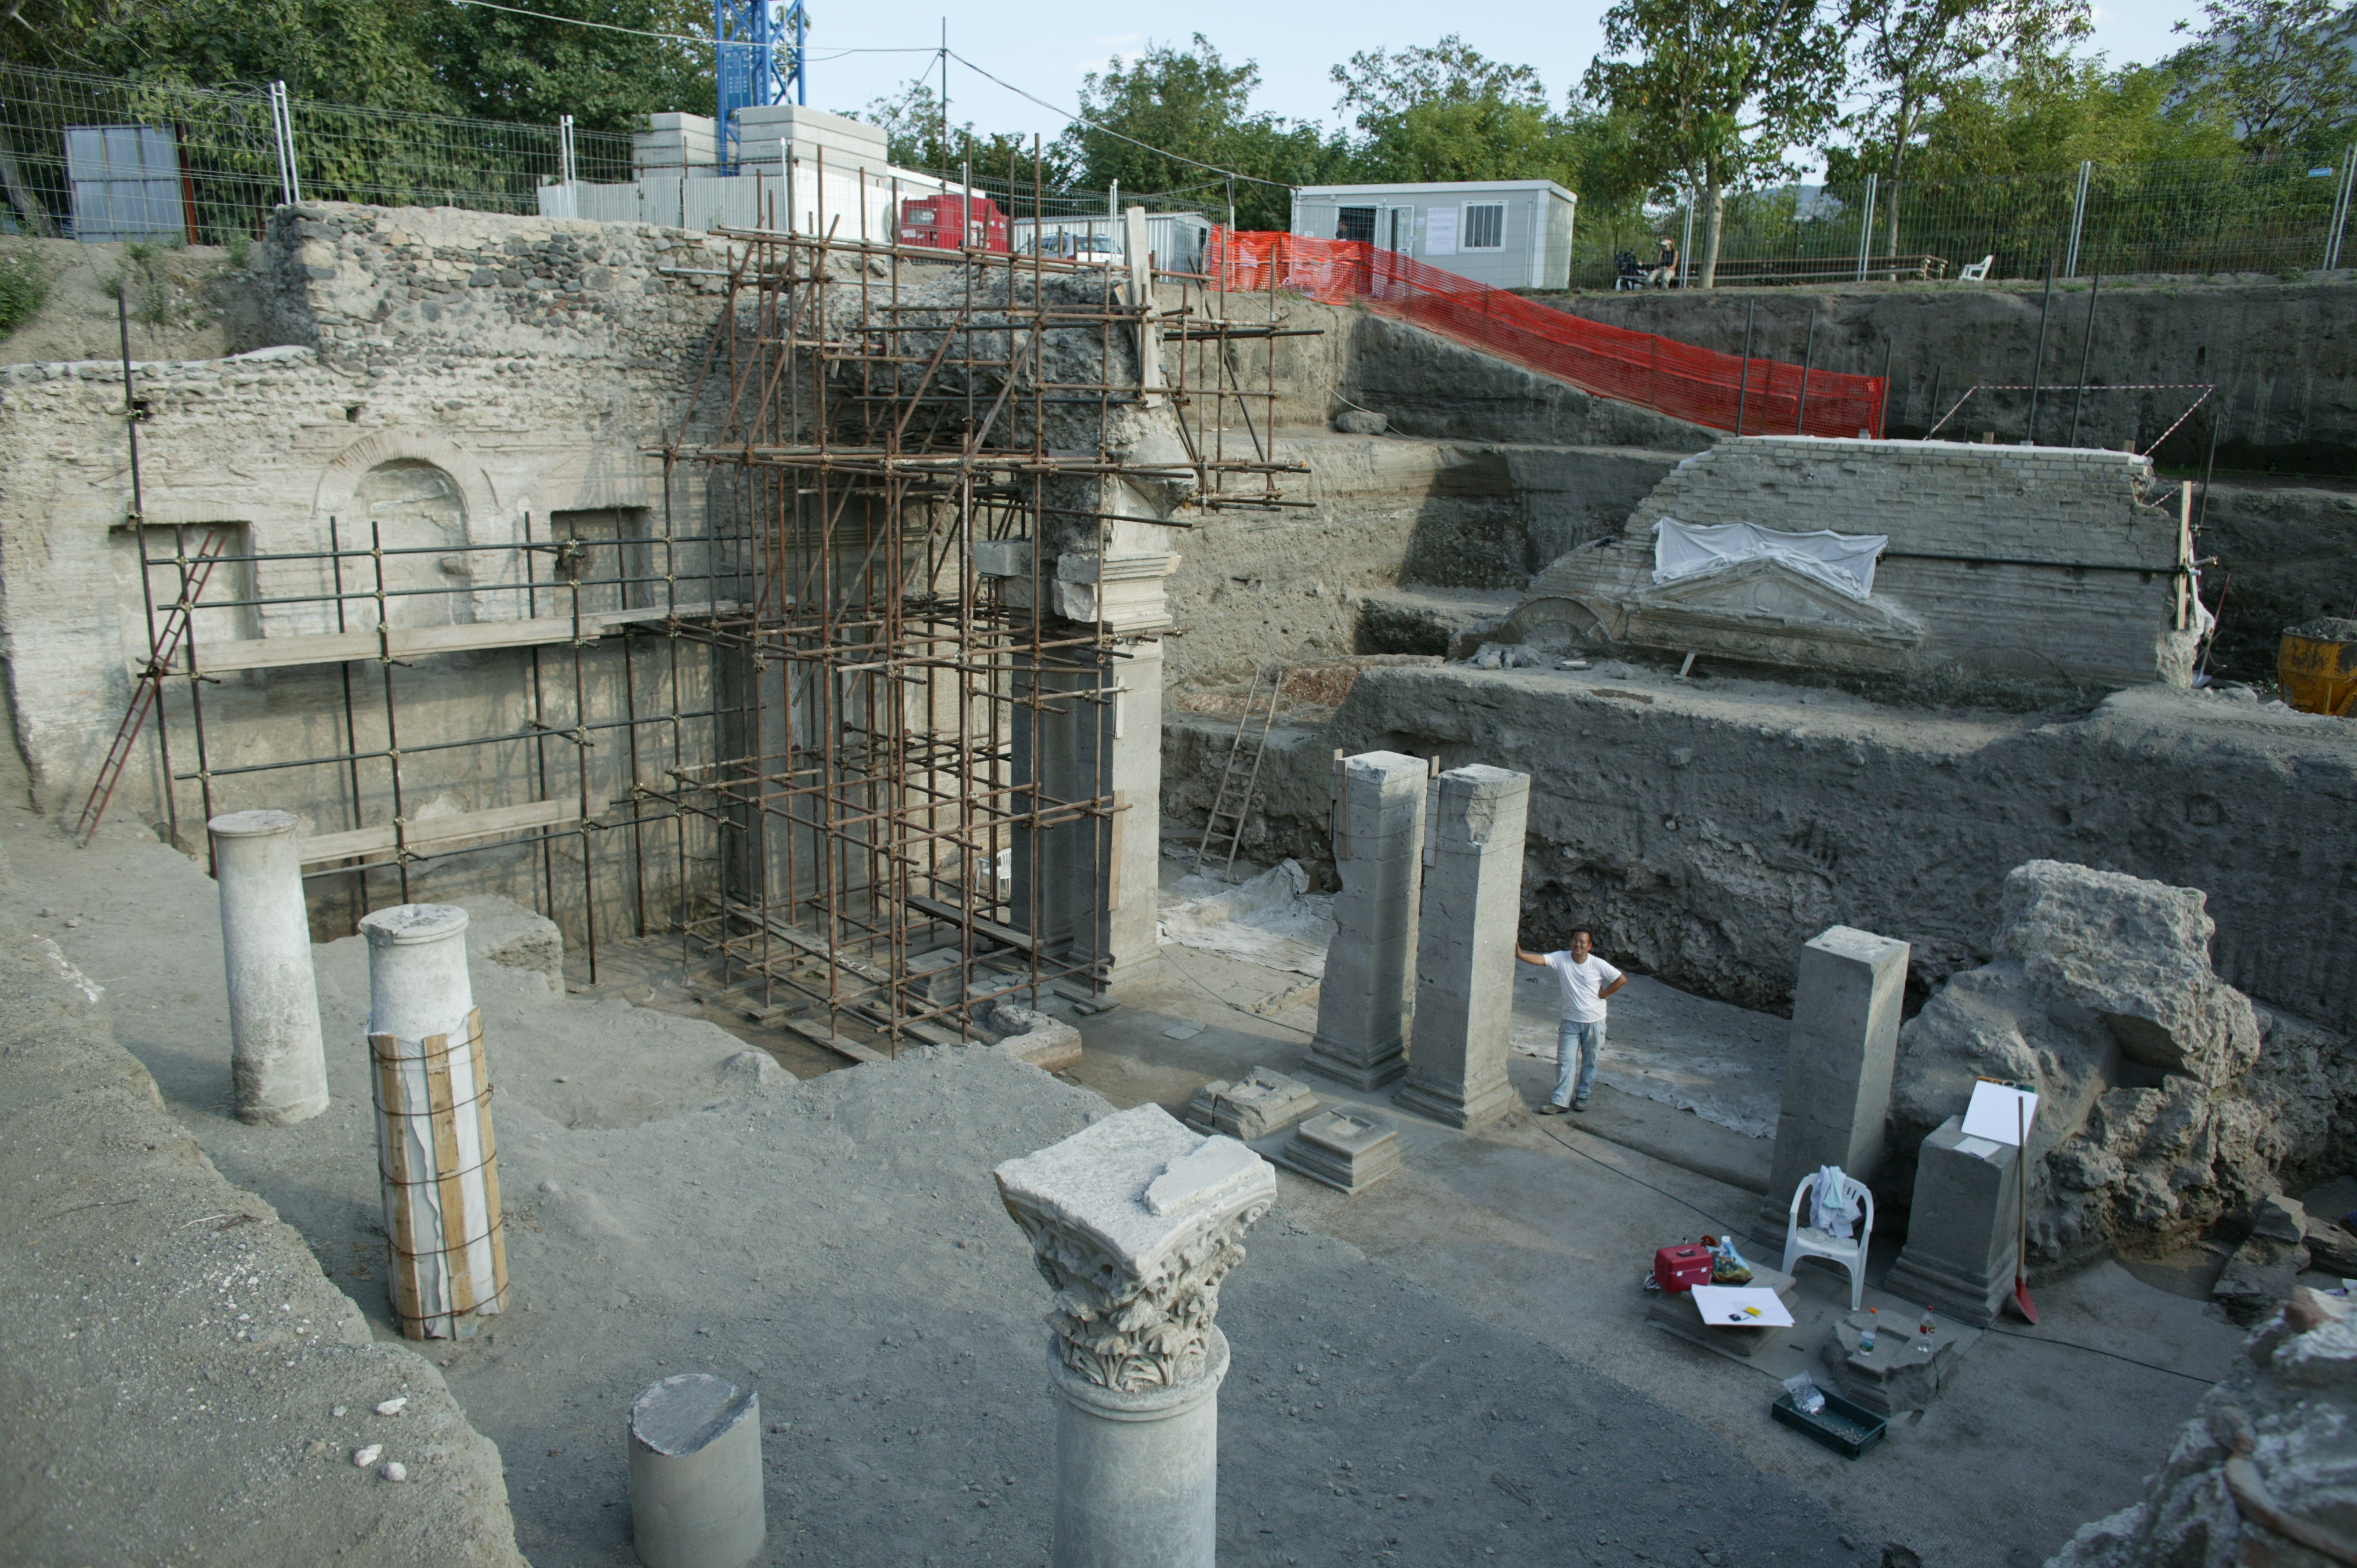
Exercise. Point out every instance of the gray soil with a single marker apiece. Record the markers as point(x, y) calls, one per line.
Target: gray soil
point(178, 296)
point(838, 1243)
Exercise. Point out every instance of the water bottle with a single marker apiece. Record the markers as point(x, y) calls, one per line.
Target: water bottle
point(1867, 1335)
point(1924, 1345)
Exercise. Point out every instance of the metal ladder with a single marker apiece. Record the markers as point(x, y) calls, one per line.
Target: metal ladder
point(1275, 677)
point(147, 689)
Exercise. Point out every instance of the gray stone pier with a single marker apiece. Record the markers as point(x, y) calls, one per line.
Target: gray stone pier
point(696, 1474)
point(1136, 1220)
point(1964, 1229)
point(1845, 1044)
point(1369, 991)
point(278, 1064)
point(1467, 922)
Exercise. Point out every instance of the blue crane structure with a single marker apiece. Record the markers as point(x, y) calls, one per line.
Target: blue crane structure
point(758, 49)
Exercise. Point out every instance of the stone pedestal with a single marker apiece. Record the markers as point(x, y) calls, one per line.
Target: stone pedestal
point(1349, 1154)
point(1136, 1220)
point(278, 1064)
point(434, 1150)
point(1904, 1372)
point(1674, 1310)
point(1369, 989)
point(1964, 1229)
point(1467, 922)
point(1845, 1043)
point(696, 1474)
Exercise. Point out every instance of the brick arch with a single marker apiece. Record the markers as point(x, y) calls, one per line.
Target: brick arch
point(475, 492)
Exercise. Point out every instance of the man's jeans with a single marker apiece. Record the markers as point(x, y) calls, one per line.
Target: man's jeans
point(1579, 1043)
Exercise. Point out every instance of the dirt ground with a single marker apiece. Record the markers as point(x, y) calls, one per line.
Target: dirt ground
point(838, 1243)
point(175, 294)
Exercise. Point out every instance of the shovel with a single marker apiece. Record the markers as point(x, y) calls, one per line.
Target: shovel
point(2021, 1302)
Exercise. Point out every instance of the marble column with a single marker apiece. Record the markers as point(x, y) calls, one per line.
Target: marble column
point(1466, 924)
point(435, 1149)
point(696, 1474)
point(1135, 1221)
point(278, 1064)
point(1369, 991)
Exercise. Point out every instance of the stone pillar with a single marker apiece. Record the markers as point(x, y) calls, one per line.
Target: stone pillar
point(1467, 924)
point(278, 1064)
point(1845, 1043)
point(1055, 869)
point(696, 1473)
point(435, 1148)
point(1963, 1231)
point(1136, 1220)
point(1369, 992)
point(1136, 781)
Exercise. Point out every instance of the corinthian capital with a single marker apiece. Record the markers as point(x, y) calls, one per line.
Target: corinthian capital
point(1135, 1221)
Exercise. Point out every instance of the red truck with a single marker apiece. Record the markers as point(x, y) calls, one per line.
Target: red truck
point(935, 222)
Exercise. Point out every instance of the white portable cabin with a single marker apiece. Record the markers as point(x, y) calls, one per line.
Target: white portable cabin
point(1508, 233)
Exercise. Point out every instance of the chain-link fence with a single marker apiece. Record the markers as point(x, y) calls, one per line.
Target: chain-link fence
point(105, 158)
point(2244, 215)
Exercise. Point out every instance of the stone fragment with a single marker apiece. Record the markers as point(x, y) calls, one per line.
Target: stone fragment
point(2332, 1249)
point(696, 1473)
point(1046, 1043)
point(1261, 1104)
point(1676, 1312)
point(752, 1069)
point(2279, 1219)
point(1964, 1230)
point(2259, 1278)
point(1361, 422)
point(1347, 1153)
point(1898, 1374)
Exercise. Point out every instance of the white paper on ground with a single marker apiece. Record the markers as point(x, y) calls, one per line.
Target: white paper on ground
point(1992, 1114)
point(1844, 561)
point(1741, 1306)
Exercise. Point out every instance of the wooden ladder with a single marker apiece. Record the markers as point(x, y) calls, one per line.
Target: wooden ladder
point(1275, 677)
point(147, 688)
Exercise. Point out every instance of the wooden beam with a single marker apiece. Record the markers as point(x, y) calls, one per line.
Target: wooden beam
point(438, 834)
point(424, 642)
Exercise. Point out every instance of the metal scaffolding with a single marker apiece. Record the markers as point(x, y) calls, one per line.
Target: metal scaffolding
point(847, 729)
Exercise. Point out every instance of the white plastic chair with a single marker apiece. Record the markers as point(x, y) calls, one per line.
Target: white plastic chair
point(1808, 1241)
point(1977, 272)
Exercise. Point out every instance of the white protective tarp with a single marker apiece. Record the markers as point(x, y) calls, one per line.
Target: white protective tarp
point(1844, 561)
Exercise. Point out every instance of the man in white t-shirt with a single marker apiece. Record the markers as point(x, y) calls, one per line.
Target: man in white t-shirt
point(1586, 981)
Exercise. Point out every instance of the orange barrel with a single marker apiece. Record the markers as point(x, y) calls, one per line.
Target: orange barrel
point(2317, 667)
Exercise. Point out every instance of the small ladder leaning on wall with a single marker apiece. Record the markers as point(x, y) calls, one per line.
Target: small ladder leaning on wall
point(147, 686)
point(1272, 678)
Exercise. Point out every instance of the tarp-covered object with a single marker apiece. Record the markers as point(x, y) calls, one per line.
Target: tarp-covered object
point(1840, 561)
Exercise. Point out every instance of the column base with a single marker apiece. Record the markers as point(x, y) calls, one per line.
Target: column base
point(1968, 1295)
point(1362, 1070)
point(1454, 1107)
point(1137, 1475)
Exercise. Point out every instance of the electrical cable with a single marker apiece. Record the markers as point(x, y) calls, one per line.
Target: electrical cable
point(673, 37)
point(1992, 1328)
point(1102, 130)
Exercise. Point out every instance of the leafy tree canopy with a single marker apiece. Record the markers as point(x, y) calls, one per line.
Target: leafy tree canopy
point(2284, 71)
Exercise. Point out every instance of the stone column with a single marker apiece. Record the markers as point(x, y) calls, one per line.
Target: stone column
point(1136, 761)
point(435, 1149)
point(1136, 1220)
point(1963, 1231)
point(278, 1064)
point(1845, 1043)
point(1467, 925)
point(696, 1474)
point(1369, 992)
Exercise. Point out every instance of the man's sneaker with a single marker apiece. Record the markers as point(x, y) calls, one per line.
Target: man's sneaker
point(1580, 1103)
point(1550, 1109)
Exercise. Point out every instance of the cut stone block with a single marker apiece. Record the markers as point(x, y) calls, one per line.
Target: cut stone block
point(1897, 1374)
point(1046, 1043)
point(1466, 924)
point(1261, 1104)
point(1675, 1311)
point(2259, 1278)
point(1963, 1231)
point(1845, 1046)
point(1349, 1154)
point(1369, 989)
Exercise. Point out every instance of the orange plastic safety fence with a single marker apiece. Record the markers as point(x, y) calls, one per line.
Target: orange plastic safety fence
point(1700, 385)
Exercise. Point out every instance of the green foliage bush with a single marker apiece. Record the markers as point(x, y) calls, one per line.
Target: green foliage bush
point(24, 285)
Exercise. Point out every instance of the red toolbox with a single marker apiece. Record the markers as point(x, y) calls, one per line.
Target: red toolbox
point(1682, 1268)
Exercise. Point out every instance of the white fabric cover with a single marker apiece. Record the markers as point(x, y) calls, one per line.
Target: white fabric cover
point(1844, 561)
point(1834, 1205)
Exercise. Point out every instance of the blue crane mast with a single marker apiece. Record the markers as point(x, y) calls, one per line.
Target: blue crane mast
point(758, 58)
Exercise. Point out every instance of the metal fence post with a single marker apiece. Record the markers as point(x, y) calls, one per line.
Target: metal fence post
point(2340, 217)
point(568, 168)
point(1866, 225)
point(2078, 219)
point(281, 131)
point(1685, 245)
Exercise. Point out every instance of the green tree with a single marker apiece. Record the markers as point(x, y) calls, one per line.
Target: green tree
point(914, 128)
point(1915, 51)
point(1196, 105)
point(1719, 91)
point(1446, 112)
point(371, 53)
point(2286, 70)
point(500, 66)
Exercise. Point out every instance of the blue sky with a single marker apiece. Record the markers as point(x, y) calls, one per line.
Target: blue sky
point(1046, 46)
